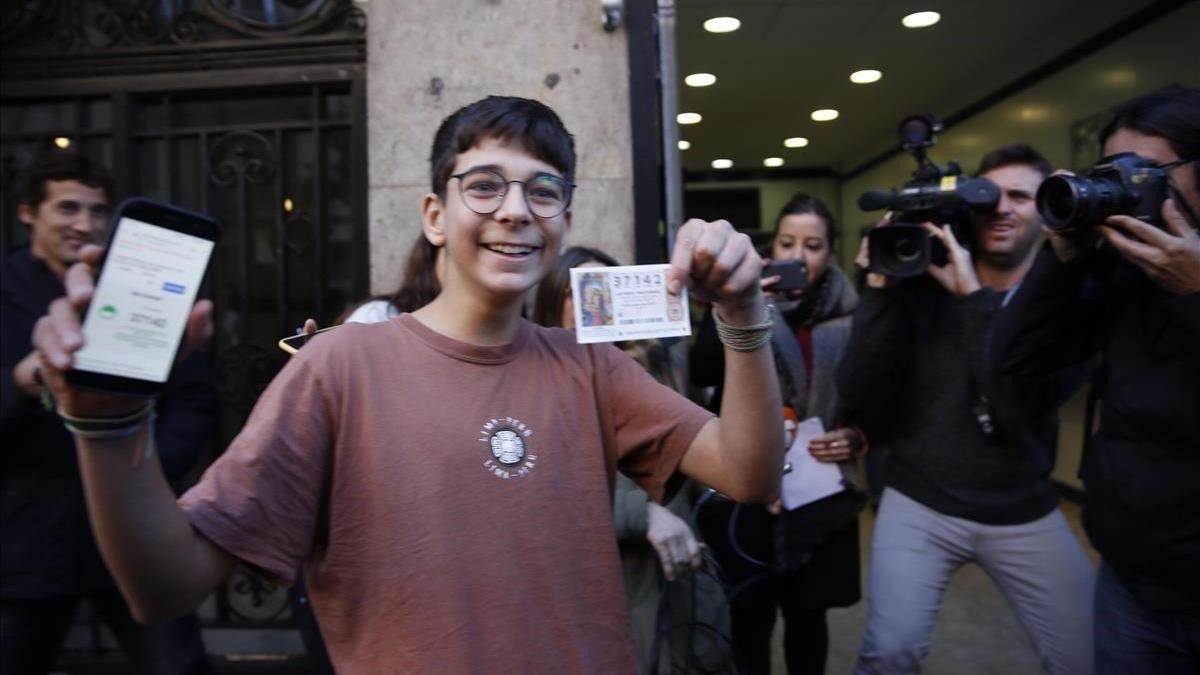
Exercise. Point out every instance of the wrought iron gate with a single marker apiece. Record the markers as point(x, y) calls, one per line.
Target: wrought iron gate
point(252, 112)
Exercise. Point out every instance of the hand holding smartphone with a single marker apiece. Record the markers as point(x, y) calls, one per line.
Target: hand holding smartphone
point(147, 282)
point(793, 275)
point(292, 343)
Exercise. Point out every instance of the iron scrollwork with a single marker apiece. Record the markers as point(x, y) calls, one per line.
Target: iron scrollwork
point(243, 373)
point(96, 25)
point(241, 154)
point(253, 599)
point(285, 17)
point(298, 232)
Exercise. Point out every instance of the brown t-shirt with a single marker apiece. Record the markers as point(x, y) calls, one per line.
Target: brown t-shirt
point(451, 503)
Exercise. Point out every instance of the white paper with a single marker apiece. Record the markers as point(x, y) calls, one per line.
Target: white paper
point(809, 480)
point(627, 303)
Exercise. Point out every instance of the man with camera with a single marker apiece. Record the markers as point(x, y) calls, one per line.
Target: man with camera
point(1121, 278)
point(970, 453)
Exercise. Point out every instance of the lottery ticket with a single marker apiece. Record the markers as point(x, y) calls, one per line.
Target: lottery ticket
point(627, 303)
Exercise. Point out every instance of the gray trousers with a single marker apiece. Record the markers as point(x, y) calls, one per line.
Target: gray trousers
point(1039, 566)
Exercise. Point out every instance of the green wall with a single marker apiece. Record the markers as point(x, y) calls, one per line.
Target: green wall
point(773, 194)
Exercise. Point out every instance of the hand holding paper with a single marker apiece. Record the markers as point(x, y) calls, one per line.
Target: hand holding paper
point(809, 479)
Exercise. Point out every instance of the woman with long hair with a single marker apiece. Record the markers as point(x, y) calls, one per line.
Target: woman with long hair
point(650, 537)
point(420, 284)
point(804, 560)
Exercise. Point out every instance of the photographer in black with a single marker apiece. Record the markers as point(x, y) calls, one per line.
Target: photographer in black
point(967, 475)
point(1130, 291)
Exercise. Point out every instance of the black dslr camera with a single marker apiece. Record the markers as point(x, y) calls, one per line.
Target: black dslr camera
point(1123, 184)
point(938, 195)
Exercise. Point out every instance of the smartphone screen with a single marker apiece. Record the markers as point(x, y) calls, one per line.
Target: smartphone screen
point(147, 285)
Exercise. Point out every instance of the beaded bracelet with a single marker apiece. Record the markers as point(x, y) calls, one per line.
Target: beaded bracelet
point(101, 427)
point(124, 431)
point(744, 338)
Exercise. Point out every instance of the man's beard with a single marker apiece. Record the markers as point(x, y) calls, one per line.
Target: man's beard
point(1014, 256)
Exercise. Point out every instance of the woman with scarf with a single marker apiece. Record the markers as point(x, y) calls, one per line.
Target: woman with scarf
point(804, 560)
point(657, 545)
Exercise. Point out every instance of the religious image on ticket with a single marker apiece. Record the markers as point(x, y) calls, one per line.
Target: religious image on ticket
point(627, 303)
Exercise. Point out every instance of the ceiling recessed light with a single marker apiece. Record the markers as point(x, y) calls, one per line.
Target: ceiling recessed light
point(722, 24)
point(688, 118)
point(773, 161)
point(865, 76)
point(1033, 113)
point(722, 163)
point(684, 145)
point(921, 19)
point(795, 142)
point(700, 79)
point(1120, 77)
point(824, 115)
point(62, 142)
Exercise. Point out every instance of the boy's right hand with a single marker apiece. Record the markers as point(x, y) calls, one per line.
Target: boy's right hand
point(58, 335)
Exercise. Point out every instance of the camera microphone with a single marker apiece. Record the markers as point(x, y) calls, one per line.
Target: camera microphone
point(874, 200)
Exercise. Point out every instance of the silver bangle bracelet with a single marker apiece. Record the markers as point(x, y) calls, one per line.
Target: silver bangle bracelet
point(744, 338)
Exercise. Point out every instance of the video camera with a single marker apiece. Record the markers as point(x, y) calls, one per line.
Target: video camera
point(1121, 184)
point(903, 248)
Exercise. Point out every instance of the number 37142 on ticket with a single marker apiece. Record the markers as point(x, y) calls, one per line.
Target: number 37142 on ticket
point(627, 303)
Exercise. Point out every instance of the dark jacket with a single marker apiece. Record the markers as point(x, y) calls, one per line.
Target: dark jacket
point(1142, 468)
point(917, 378)
point(814, 546)
point(46, 545)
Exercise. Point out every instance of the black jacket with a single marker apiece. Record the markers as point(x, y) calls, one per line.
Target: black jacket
point(1142, 469)
point(917, 377)
point(46, 545)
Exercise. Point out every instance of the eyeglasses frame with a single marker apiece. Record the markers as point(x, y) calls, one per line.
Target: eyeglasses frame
point(500, 197)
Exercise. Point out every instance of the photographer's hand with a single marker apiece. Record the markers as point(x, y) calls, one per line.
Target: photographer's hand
point(958, 275)
point(1170, 258)
point(863, 260)
point(58, 336)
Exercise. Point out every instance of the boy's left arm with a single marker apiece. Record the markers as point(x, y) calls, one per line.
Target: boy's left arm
point(741, 453)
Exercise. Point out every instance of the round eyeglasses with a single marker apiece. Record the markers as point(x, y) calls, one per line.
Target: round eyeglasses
point(483, 191)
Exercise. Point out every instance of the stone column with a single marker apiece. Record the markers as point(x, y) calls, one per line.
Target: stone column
point(427, 58)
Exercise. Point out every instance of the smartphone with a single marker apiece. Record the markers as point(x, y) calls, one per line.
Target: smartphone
point(292, 343)
point(793, 275)
point(152, 268)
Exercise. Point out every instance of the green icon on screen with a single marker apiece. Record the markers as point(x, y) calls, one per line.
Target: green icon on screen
point(108, 312)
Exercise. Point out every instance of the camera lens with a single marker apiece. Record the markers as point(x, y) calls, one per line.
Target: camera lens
point(1069, 202)
point(899, 249)
point(906, 250)
point(1057, 201)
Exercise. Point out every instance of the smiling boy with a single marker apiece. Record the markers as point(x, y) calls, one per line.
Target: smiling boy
point(445, 477)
